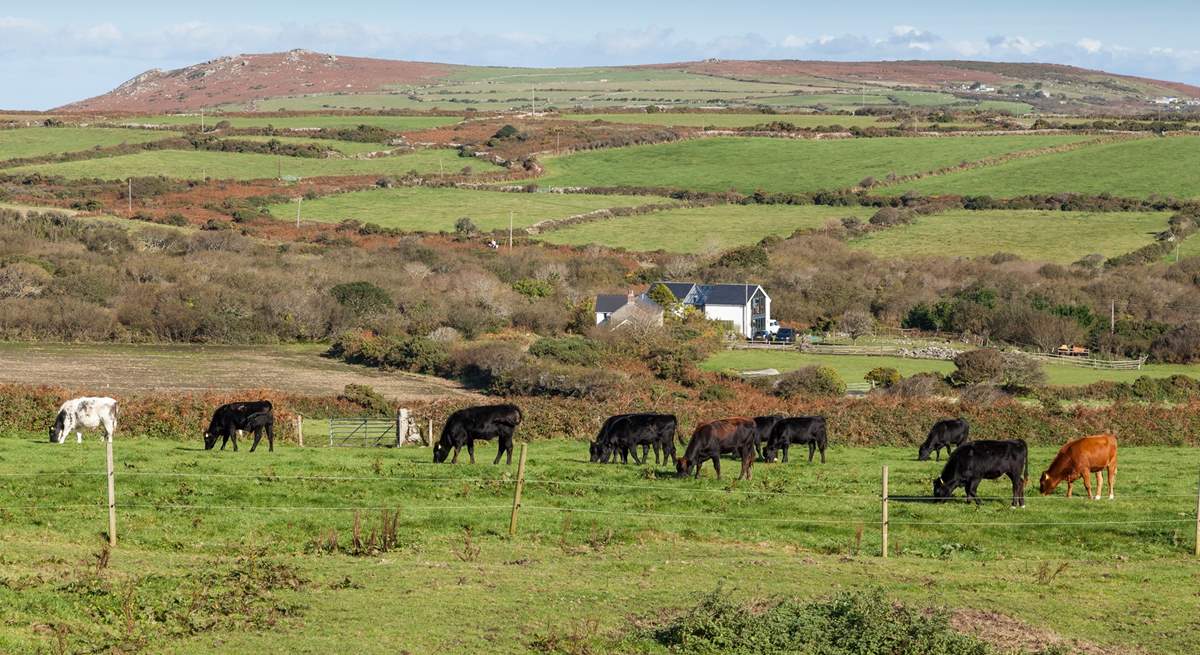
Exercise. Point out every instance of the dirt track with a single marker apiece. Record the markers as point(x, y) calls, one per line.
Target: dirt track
point(131, 368)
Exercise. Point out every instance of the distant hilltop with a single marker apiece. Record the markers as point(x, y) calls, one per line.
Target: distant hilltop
point(247, 81)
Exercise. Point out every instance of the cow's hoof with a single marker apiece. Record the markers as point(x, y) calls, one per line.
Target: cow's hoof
point(1111, 497)
point(1096, 498)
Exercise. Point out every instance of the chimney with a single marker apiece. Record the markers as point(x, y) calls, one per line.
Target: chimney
point(629, 297)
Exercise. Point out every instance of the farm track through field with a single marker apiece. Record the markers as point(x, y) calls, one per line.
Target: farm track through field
point(122, 368)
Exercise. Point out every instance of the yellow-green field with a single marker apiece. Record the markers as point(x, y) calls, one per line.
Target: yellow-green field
point(38, 141)
point(1053, 236)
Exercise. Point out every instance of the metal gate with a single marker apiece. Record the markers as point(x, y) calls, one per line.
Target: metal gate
point(364, 432)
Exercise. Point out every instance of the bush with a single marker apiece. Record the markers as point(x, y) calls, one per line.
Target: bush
point(862, 623)
point(717, 393)
point(810, 381)
point(414, 354)
point(533, 288)
point(367, 398)
point(1178, 346)
point(990, 366)
point(576, 350)
point(362, 298)
point(883, 377)
point(920, 385)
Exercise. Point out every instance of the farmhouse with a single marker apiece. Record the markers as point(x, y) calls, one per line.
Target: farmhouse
point(745, 307)
point(619, 311)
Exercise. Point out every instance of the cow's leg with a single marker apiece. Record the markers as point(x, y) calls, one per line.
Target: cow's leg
point(1017, 499)
point(785, 449)
point(224, 440)
point(645, 453)
point(822, 452)
point(78, 436)
point(455, 459)
point(257, 438)
point(270, 437)
point(812, 450)
point(656, 453)
point(971, 488)
point(1070, 484)
point(471, 449)
point(716, 465)
point(1087, 484)
point(1112, 479)
point(748, 466)
point(937, 454)
point(1099, 484)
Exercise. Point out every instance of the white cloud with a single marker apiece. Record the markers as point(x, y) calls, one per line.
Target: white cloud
point(1090, 45)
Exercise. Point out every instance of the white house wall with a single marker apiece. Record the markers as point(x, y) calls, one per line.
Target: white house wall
point(736, 314)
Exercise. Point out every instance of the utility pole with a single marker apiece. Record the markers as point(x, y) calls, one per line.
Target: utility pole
point(510, 224)
point(1112, 317)
point(129, 195)
point(202, 120)
point(533, 98)
point(299, 201)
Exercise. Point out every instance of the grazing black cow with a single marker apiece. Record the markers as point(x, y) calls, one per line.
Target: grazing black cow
point(625, 433)
point(797, 430)
point(232, 418)
point(597, 447)
point(712, 439)
point(979, 460)
point(949, 434)
point(485, 422)
point(763, 426)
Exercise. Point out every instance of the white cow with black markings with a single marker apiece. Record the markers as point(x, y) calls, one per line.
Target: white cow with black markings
point(84, 413)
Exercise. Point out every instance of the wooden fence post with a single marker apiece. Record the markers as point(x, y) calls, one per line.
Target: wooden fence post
point(1197, 547)
point(300, 429)
point(512, 522)
point(885, 512)
point(430, 432)
point(112, 495)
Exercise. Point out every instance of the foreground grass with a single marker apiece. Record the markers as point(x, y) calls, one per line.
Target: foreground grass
point(699, 230)
point(747, 164)
point(437, 210)
point(1162, 166)
point(39, 141)
point(853, 367)
point(197, 165)
point(1051, 236)
point(598, 545)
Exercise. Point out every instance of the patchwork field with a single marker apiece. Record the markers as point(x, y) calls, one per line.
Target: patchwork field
point(436, 210)
point(1149, 166)
point(196, 165)
point(852, 368)
point(700, 230)
point(1052, 236)
point(396, 123)
point(617, 544)
point(729, 120)
point(344, 147)
point(747, 164)
point(38, 141)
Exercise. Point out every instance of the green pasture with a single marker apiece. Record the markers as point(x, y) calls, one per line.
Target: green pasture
point(39, 141)
point(700, 230)
point(1139, 168)
point(747, 164)
point(852, 368)
point(436, 210)
point(250, 166)
point(348, 148)
point(328, 121)
point(730, 120)
point(223, 551)
point(1053, 236)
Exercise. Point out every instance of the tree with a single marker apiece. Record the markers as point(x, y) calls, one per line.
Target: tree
point(662, 295)
point(883, 377)
point(857, 323)
point(362, 298)
point(990, 366)
point(465, 228)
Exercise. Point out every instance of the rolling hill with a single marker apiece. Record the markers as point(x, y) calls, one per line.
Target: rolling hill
point(305, 80)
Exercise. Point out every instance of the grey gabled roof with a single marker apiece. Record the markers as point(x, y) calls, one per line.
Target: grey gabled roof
point(678, 289)
point(727, 294)
point(609, 303)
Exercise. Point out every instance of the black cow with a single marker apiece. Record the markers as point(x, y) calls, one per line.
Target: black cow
point(947, 433)
point(710, 440)
point(597, 447)
point(232, 418)
point(626, 432)
point(485, 422)
point(797, 430)
point(763, 426)
point(979, 460)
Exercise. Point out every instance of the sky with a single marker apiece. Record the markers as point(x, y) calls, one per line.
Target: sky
point(54, 53)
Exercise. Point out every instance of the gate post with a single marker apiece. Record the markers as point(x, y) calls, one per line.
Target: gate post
point(401, 427)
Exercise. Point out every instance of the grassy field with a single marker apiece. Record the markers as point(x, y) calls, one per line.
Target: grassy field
point(436, 210)
point(1052, 236)
point(397, 123)
point(1163, 166)
point(249, 166)
point(202, 535)
point(38, 141)
point(853, 367)
point(698, 230)
point(747, 164)
point(730, 120)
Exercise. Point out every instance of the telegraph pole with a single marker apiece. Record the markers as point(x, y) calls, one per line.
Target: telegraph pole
point(129, 195)
point(510, 224)
point(299, 201)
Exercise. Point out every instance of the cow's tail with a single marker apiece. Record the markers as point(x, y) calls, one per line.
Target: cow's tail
point(1025, 480)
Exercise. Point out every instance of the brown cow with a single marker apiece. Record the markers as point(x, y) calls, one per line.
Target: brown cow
point(710, 440)
point(1079, 459)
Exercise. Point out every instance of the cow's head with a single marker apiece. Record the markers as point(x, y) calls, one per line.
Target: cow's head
point(58, 431)
point(682, 467)
point(440, 450)
point(941, 490)
point(595, 450)
point(1047, 484)
point(923, 452)
point(210, 440)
